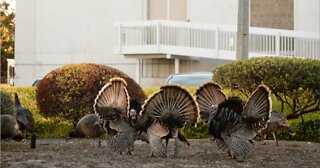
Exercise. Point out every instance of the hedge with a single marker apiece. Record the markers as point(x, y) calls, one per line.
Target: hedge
point(293, 81)
point(7, 105)
point(45, 127)
point(48, 127)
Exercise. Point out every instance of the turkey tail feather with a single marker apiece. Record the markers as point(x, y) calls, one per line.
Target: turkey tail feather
point(113, 95)
point(173, 106)
point(258, 107)
point(208, 95)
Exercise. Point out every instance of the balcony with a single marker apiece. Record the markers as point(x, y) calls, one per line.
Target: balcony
point(190, 39)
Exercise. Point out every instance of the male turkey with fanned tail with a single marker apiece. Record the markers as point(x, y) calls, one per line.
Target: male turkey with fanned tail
point(112, 106)
point(232, 122)
point(171, 108)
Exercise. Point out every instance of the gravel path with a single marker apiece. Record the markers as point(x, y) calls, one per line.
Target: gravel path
point(83, 153)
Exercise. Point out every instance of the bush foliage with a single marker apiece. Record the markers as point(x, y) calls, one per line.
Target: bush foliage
point(69, 92)
point(293, 81)
point(45, 127)
point(6, 103)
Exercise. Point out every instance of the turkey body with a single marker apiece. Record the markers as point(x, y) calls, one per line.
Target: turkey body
point(88, 126)
point(231, 122)
point(277, 121)
point(230, 128)
point(24, 116)
point(9, 126)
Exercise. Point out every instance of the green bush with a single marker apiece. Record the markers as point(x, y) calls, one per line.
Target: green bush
point(45, 127)
point(6, 103)
point(69, 92)
point(306, 129)
point(293, 81)
point(199, 132)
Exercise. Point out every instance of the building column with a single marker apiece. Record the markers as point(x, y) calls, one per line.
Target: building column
point(242, 48)
point(176, 65)
point(138, 75)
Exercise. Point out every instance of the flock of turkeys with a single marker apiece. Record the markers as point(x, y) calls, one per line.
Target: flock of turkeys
point(232, 122)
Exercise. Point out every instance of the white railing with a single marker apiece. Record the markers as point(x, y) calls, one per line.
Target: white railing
point(211, 41)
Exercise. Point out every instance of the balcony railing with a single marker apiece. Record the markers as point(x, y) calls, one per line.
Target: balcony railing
point(211, 41)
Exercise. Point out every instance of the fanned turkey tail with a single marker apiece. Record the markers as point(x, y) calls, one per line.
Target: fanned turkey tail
point(208, 96)
point(257, 110)
point(112, 106)
point(172, 107)
point(112, 100)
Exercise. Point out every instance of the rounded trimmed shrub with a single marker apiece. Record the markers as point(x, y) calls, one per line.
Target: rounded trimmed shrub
point(7, 106)
point(69, 91)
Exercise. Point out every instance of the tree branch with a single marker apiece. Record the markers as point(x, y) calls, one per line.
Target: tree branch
point(297, 115)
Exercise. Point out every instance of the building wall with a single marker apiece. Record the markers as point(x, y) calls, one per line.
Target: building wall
point(307, 15)
point(167, 10)
point(213, 11)
point(52, 33)
point(277, 14)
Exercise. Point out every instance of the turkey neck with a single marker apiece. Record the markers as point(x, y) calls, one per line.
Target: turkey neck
point(142, 122)
point(17, 101)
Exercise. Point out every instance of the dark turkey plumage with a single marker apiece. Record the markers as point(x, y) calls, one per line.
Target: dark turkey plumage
point(9, 126)
point(232, 122)
point(88, 126)
point(24, 116)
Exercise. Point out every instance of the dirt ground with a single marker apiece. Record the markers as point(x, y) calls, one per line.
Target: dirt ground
point(82, 153)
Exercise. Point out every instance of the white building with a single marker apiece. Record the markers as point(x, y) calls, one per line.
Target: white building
point(196, 36)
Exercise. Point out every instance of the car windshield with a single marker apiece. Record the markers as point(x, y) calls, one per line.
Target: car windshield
point(36, 82)
point(191, 80)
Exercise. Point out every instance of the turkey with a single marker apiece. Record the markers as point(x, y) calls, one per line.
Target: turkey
point(88, 126)
point(112, 107)
point(9, 126)
point(142, 123)
point(24, 116)
point(233, 123)
point(277, 121)
point(171, 108)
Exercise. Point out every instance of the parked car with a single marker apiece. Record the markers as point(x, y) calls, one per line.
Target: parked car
point(36, 82)
point(190, 79)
